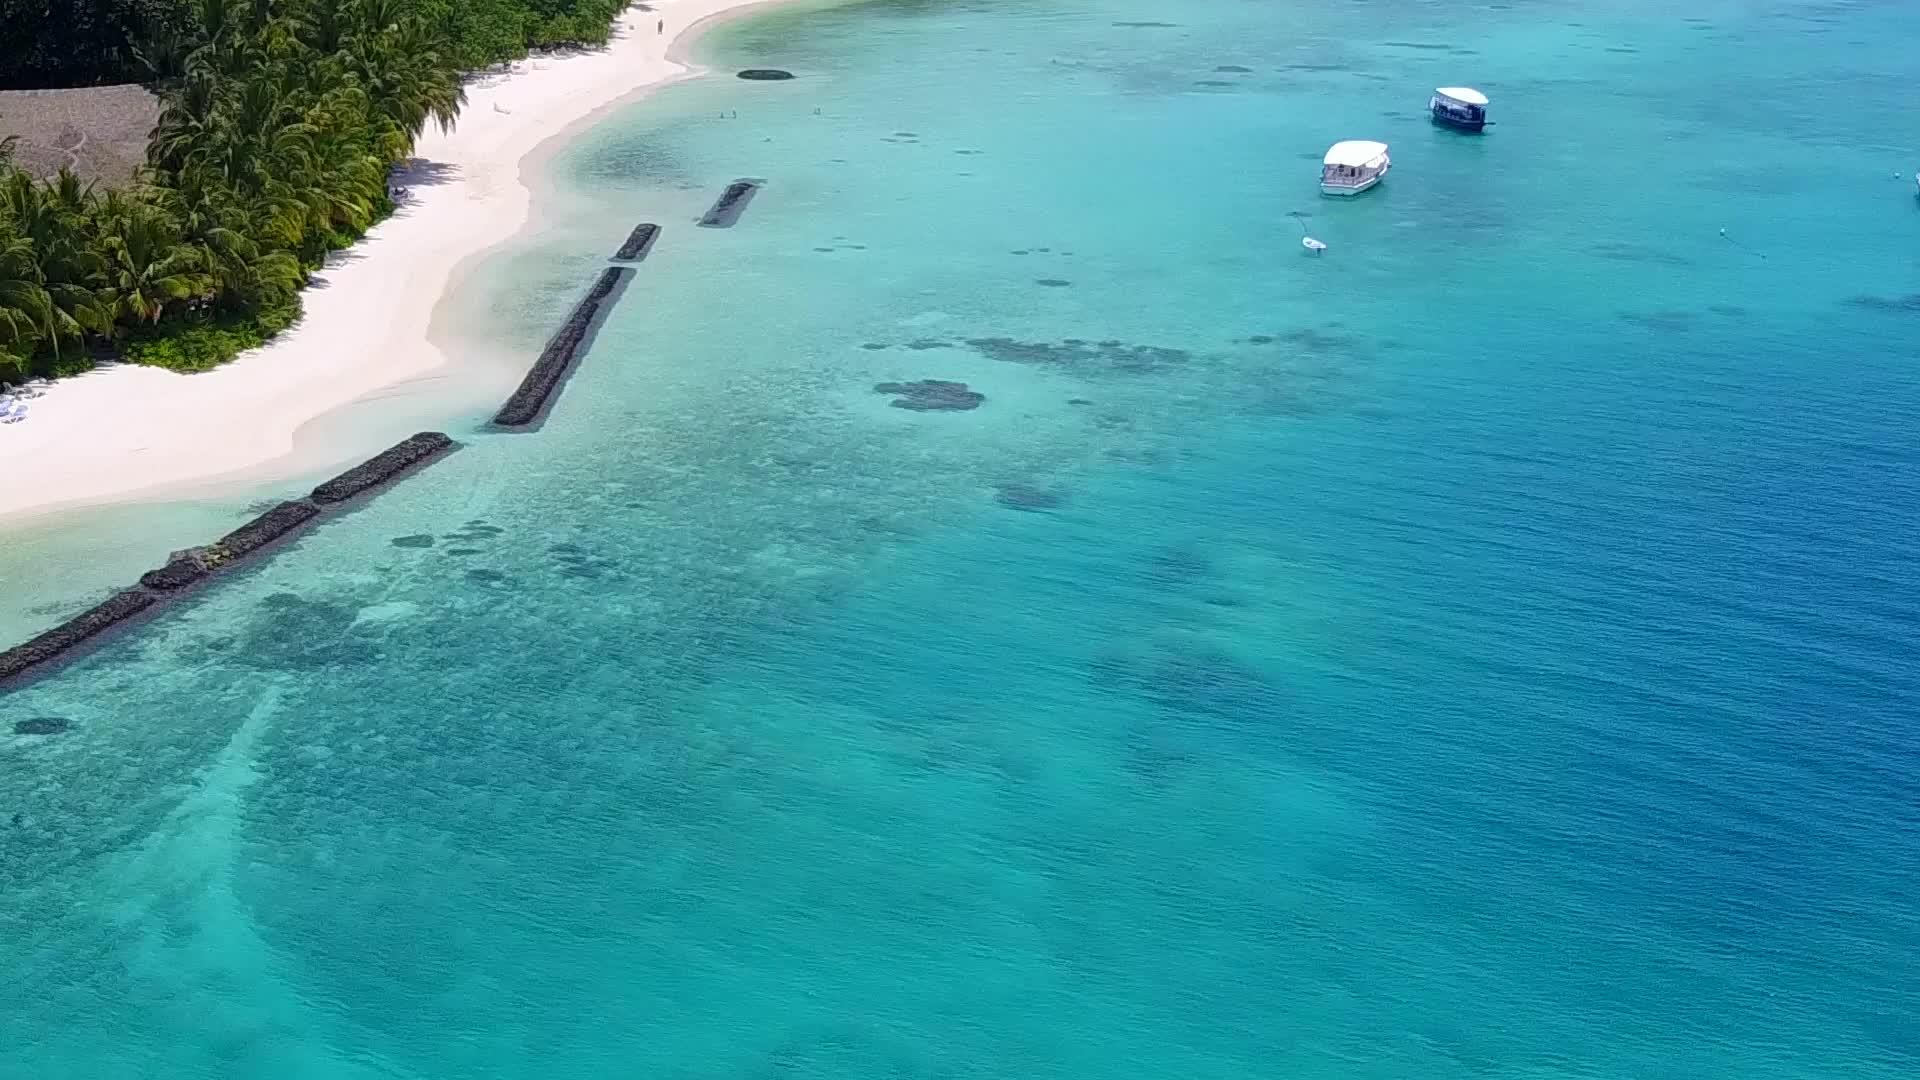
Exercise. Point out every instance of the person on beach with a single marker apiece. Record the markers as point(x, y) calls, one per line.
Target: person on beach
point(660, 27)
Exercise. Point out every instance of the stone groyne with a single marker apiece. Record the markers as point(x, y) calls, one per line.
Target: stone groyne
point(639, 243)
point(529, 402)
point(731, 204)
point(186, 570)
point(194, 566)
point(383, 468)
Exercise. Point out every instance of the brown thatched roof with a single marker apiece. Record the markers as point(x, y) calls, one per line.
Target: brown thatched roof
point(99, 132)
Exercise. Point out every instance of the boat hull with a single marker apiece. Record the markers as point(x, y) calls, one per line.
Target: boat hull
point(1458, 123)
point(1345, 190)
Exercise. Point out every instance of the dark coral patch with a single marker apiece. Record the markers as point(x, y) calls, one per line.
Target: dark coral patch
point(1669, 322)
point(931, 395)
point(289, 632)
point(1029, 498)
point(1110, 356)
point(1907, 303)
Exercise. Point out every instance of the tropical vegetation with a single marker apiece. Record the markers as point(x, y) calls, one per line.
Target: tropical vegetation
point(54, 43)
point(281, 122)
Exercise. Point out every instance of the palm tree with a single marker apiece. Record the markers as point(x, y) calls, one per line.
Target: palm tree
point(323, 177)
point(188, 120)
point(54, 219)
point(280, 122)
point(434, 91)
point(408, 71)
point(324, 26)
point(147, 267)
point(26, 313)
point(212, 222)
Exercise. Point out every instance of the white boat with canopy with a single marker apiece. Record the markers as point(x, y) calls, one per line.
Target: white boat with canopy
point(1353, 166)
point(1460, 107)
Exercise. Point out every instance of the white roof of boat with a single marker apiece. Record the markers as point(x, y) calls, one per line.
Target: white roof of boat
point(1465, 94)
point(1354, 152)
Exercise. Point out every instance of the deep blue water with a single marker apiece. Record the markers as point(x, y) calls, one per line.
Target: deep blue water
point(1487, 650)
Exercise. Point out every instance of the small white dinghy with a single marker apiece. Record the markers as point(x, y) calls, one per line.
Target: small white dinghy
point(1312, 245)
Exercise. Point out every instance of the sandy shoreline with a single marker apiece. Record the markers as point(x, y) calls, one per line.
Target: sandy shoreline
point(130, 434)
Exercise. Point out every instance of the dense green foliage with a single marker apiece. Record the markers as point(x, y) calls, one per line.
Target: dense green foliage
point(80, 42)
point(488, 31)
point(49, 43)
point(205, 342)
point(273, 148)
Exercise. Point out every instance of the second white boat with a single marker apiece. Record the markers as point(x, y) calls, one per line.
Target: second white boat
point(1353, 166)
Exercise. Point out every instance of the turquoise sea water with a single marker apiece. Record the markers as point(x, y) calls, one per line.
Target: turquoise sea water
point(1484, 651)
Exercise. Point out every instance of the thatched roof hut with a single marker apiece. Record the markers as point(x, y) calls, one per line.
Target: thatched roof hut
point(99, 132)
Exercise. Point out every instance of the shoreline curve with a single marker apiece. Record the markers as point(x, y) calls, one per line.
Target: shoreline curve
point(126, 434)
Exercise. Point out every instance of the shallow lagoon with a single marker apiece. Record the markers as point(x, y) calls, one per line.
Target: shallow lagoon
point(1484, 650)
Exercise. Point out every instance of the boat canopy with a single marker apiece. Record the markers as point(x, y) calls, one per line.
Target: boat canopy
point(1465, 95)
point(1355, 153)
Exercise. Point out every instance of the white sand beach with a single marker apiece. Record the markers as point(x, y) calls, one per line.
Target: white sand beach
point(124, 433)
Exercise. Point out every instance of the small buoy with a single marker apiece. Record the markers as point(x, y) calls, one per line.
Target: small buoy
point(1312, 245)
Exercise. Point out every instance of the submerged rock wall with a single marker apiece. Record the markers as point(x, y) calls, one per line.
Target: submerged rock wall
point(380, 469)
point(639, 243)
point(529, 402)
point(72, 633)
point(189, 568)
point(731, 204)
